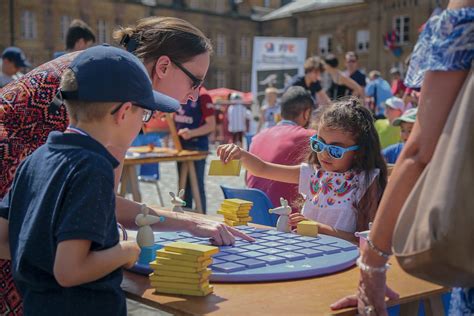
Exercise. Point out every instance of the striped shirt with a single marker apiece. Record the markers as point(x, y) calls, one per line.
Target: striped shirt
point(237, 115)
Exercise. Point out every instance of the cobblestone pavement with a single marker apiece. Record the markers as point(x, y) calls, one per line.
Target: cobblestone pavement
point(169, 182)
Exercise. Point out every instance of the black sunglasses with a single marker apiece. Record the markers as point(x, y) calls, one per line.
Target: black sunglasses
point(196, 81)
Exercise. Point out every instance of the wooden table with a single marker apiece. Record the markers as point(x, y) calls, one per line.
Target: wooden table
point(299, 297)
point(187, 157)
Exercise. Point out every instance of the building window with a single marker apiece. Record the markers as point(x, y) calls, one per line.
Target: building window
point(102, 31)
point(245, 47)
point(194, 4)
point(28, 25)
point(220, 79)
point(325, 44)
point(402, 28)
point(245, 81)
point(64, 25)
point(220, 45)
point(266, 3)
point(362, 40)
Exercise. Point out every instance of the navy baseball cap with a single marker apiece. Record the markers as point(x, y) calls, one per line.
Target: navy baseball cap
point(108, 74)
point(16, 55)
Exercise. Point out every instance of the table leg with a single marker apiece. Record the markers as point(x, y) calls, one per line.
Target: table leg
point(183, 176)
point(410, 308)
point(434, 305)
point(132, 177)
point(195, 186)
point(124, 181)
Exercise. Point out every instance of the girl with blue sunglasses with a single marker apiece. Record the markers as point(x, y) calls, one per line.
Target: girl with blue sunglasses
point(344, 178)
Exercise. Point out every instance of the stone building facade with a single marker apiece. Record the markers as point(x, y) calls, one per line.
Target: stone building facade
point(39, 26)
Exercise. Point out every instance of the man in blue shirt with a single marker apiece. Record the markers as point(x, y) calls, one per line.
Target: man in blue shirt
point(380, 90)
point(57, 222)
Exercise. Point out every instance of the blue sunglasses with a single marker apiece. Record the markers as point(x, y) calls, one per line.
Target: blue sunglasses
point(335, 152)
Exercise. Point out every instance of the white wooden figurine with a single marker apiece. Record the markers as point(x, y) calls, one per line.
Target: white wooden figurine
point(177, 201)
point(283, 220)
point(145, 237)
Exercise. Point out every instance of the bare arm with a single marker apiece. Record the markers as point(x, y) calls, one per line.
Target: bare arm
point(322, 98)
point(205, 129)
point(339, 78)
point(439, 91)
point(4, 244)
point(258, 167)
point(75, 264)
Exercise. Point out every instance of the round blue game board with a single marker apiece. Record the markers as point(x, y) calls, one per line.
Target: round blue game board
point(274, 256)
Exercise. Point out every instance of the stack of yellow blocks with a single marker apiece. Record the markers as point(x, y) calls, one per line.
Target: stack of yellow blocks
point(182, 268)
point(236, 211)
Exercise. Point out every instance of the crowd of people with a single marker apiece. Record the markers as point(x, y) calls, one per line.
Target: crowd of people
point(335, 136)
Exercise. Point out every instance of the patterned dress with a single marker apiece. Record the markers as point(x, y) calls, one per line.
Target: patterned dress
point(446, 44)
point(330, 197)
point(26, 119)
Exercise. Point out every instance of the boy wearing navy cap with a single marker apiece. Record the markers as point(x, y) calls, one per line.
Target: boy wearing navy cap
point(13, 59)
point(58, 219)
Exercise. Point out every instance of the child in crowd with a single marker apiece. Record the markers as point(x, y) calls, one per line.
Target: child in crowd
point(237, 116)
point(57, 222)
point(344, 178)
point(406, 123)
point(389, 134)
point(270, 110)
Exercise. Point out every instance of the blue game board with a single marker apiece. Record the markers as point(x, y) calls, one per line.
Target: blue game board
point(273, 256)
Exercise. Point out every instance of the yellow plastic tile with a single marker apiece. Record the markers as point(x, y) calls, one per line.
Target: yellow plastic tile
point(181, 286)
point(191, 249)
point(307, 228)
point(180, 263)
point(183, 275)
point(165, 267)
point(162, 253)
point(160, 278)
point(205, 292)
point(218, 168)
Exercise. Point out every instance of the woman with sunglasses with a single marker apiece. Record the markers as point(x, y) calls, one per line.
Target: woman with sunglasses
point(176, 55)
point(343, 181)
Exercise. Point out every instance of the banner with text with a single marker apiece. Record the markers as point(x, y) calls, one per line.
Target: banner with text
point(275, 61)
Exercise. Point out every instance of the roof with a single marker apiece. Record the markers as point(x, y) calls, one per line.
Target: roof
point(306, 5)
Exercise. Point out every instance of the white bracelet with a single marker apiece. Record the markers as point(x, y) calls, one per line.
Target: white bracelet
point(369, 269)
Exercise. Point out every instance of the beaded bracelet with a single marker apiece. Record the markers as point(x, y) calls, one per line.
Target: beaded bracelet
point(366, 268)
point(379, 252)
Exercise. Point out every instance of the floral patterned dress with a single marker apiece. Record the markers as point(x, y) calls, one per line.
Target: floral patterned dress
point(330, 197)
point(26, 119)
point(446, 44)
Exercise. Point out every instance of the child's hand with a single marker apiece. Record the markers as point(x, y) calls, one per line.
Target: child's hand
point(131, 252)
point(295, 218)
point(229, 152)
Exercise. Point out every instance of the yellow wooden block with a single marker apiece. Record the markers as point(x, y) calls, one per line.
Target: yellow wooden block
point(175, 262)
point(182, 286)
point(224, 211)
point(238, 218)
point(307, 228)
point(162, 267)
point(191, 249)
point(205, 292)
point(235, 207)
point(183, 275)
point(234, 223)
point(162, 253)
point(237, 202)
point(218, 168)
point(160, 278)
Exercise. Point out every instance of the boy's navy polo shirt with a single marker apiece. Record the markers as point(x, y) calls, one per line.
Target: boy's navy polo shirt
point(63, 191)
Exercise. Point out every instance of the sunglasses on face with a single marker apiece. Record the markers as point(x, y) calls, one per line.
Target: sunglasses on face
point(196, 81)
point(335, 152)
point(147, 114)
